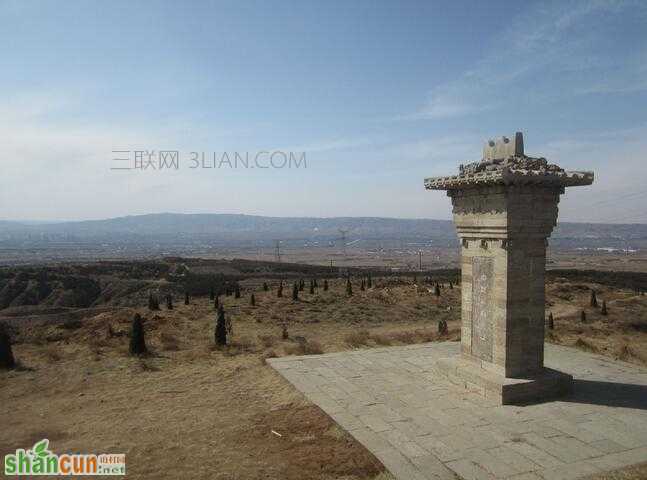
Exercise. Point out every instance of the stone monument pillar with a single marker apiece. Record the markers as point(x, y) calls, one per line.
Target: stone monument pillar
point(505, 208)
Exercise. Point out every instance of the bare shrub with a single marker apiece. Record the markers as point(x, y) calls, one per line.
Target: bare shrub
point(71, 324)
point(312, 347)
point(267, 340)
point(628, 354)
point(97, 344)
point(309, 347)
point(196, 354)
point(624, 352)
point(268, 354)
point(357, 338)
point(53, 337)
point(244, 342)
point(294, 349)
point(407, 337)
point(428, 335)
point(169, 341)
point(586, 345)
point(382, 339)
point(147, 366)
point(52, 353)
point(240, 346)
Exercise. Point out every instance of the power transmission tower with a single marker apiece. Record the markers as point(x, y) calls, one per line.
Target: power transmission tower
point(278, 250)
point(626, 240)
point(420, 259)
point(343, 232)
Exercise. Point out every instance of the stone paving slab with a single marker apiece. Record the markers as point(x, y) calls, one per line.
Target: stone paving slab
point(422, 427)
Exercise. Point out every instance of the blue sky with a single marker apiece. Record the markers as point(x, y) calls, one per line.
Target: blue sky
point(378, 94)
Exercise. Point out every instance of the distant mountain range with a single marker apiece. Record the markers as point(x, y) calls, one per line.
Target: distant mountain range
point(232, 225)
point(231, 228)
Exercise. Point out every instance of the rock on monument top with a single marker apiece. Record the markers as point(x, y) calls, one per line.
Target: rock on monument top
point(505, 163)
point(504, 148)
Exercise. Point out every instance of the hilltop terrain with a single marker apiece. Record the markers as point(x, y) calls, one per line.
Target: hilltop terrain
point(233, 416)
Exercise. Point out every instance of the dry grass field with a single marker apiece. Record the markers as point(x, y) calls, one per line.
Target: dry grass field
point(191, 409)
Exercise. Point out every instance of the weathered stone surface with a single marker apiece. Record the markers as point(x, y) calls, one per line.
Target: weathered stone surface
point(505, 163)
point(482, 307)
point(424, 426)
point(504, 148)
point(505, 208)
point(544, 385)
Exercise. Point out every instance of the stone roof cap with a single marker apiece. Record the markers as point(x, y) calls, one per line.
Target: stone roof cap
point(504, 163)
point(510, 176)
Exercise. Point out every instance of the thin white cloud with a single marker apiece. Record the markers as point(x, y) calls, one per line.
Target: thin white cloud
point(331, 145)
point(549, 45)
point(446, 104)
point(55, 168)
point(33, 106)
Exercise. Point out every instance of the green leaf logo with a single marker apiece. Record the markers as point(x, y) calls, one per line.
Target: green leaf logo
point(40, 448)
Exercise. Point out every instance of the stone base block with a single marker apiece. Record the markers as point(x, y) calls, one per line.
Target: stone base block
point(544, 385)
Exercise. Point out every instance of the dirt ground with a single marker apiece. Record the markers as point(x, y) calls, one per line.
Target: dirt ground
point(633, 262)
point(191, 409)
point(621, 334)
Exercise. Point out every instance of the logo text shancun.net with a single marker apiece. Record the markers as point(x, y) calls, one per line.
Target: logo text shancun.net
point(39, 460)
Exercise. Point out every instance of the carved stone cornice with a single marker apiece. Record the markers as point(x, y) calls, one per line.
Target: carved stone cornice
point(509, 176)
point(501, 212)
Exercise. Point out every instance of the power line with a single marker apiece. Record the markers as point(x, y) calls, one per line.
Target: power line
point(618, 199)
point(605, 204)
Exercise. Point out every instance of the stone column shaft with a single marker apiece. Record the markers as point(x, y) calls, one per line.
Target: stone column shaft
point(503, 232)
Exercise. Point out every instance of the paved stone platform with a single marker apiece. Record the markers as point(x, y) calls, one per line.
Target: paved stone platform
point(422, 427)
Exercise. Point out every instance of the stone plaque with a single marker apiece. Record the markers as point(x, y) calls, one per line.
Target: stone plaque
point(482, 301)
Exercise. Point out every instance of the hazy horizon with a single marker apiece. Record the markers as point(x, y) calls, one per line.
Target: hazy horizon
point(53, 221)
